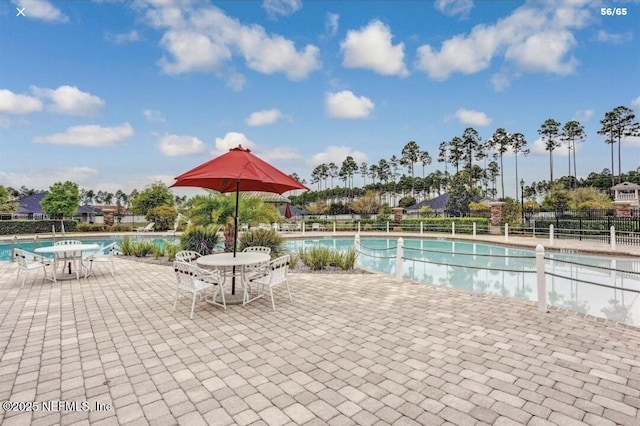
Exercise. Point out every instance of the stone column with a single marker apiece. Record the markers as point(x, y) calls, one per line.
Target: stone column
point(496, 217)
point(622, 208)
point(397, 214)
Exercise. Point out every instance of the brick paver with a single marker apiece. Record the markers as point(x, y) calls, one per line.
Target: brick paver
point(352, 348)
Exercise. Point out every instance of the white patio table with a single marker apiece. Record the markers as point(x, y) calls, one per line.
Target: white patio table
point(76, 249)
point(226, 262)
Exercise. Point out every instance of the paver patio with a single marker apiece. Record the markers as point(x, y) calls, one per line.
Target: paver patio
point(350, 349)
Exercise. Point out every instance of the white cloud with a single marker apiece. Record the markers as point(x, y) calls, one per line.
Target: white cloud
point(371, 48)
point(636, 102)
point(89, 135)
point(232, 140)
point(538, 147)
point(536, 37)
point(44, 177)
point(176, 145)
point(613, 38)
point(279, 153)
point(583, 115)
point(204, 39)
point(281, 7)
point(337, 154)
point(11, 103)
point(264, 117)
point(70, 100)
point(121, 38)
point(472, 118)
point(331, 23)
point(41, 9)
point(346, 105)
point(153, 115)
point(454, 7)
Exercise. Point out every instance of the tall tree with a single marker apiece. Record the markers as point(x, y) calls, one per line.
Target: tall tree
point(443, 155)
point(519, 146)
point(608, 129)
point(373, 173)
point(493, 171)
point(623, 126)
point(472, 149)
point(364, 170)
point(456, 152)
point(332, 170)
point(425, 159)
point(549, 131)
point(410, 156)
point(384, 171)
point(499, 143)
point(349, 168)
point(571, 132)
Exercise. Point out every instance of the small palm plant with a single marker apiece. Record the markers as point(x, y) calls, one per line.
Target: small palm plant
point(201, 238)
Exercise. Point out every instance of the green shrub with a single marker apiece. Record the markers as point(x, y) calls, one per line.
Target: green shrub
point(90, 227)
point(143, 247)
point(321, 257)
point(171, 250)
point(347, 258)
point(126, 246)
point(464, 225)
point(158, 251)
point(121, 227)
point(262, 237)
point(201, 238)
point(164, 217)
point(11, 227)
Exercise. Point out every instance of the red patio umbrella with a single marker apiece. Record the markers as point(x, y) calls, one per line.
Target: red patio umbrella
point(287, 211)
point(235, 171)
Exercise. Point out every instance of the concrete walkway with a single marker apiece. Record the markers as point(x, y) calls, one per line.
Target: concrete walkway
point(350, 349)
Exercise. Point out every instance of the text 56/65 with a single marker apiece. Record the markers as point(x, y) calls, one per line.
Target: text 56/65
point(613, 11)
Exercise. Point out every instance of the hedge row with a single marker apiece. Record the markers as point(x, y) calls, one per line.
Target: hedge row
point(13, 227)
point(590, 225)
point(464, 225)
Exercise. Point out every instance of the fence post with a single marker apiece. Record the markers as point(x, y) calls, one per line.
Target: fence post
point(387, 227)
point(453, 228)
point(356, 244)
point(474, 230)
point(420, 227)
point(303, 227)
point(334, 227)
point(35, 242)
point(13, 247)
point(551, 235)
point(542, 282)
point(358, 227)
point(399, 254)
point(533, 223)
point(612, 237)
point(506, 232)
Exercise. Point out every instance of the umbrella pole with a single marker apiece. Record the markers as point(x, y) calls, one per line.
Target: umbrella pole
point(235, 237)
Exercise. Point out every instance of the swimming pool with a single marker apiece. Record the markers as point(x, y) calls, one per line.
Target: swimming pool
point(31, 245)
point(601, 286)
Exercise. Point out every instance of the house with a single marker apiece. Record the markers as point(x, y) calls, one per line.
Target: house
point(437, 205)
point(30, 208)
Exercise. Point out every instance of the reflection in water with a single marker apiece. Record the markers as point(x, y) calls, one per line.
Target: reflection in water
point(508, 271)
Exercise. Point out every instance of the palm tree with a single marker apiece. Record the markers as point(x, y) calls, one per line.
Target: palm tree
point(518, 144)
point(549, 131)
point(499, 143)
point(571, 132)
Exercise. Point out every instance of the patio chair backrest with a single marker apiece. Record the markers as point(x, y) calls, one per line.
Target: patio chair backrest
point(278, 268)
point(67, 242)
point(189, 275)
point(187, 255)
point(258, 249)
point(108, 249)
point(21, 257)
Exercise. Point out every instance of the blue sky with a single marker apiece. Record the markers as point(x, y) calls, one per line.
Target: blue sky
point(114, 95)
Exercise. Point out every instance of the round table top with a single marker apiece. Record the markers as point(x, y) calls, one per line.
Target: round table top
point(67, 247)
point(227, 259)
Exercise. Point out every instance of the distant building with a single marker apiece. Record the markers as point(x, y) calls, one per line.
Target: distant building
point(627, 192)
point(30, 208)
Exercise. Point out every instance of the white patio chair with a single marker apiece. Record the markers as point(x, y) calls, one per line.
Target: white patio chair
point(28, 262)
point(68, 256)
point(254, 271)
point(187, 256)
point(276, 274)
point(196, 281)
point(102, 255)
point(147, 228)
point(317, 227)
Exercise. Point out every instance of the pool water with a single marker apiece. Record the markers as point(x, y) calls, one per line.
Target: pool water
point(506, 271)
point(31, 245)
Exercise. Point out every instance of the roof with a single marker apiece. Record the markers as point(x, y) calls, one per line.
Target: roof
point(626, 186)
point(437, 203)
point(295, 211)
point(31, 205)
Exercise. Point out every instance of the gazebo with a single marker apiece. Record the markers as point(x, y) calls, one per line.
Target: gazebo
point(627, 192)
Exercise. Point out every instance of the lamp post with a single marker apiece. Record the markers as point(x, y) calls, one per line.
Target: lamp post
point(522, 199)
